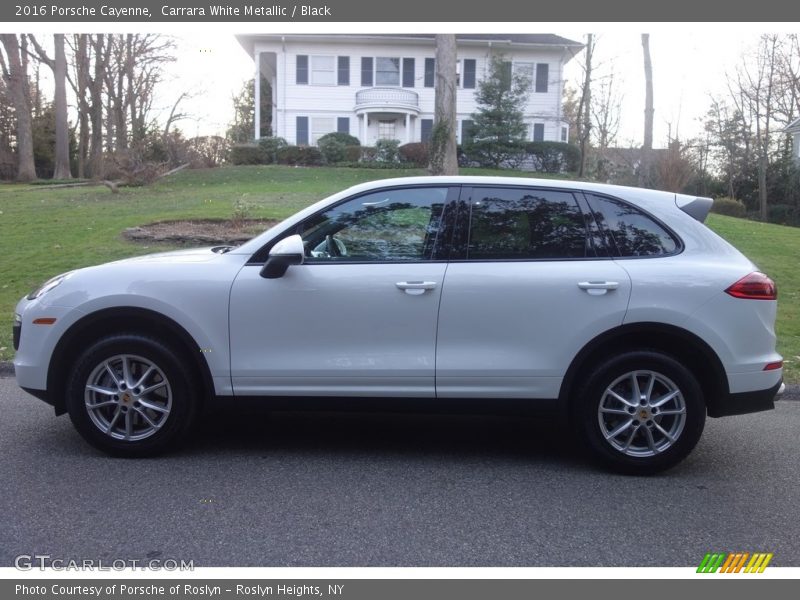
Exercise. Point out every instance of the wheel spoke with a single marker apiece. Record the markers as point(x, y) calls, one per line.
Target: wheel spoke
point(651, 443)
point(616, 396)
point(664, 399)
point(650, 383)
point(153, 406)
point(126, 371)
point(675, 411)
point(114, 376)
point(637, 393)
point(612, 434)
point(613, 411)
point(665, 433)
point(97, 405)
point(128, 424)
point(152, 388)
point(144, 377)
point(630, 439)
point(143, 414)
point(113, 421)
point(102, 390)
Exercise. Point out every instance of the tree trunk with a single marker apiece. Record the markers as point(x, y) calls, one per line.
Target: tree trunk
point(443, 154)
point(96, 108)
point(585, 106)
point(647, 147)
point(17, 79)
point(62, 169)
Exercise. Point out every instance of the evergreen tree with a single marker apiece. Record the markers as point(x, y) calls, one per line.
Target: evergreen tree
point(499, 131)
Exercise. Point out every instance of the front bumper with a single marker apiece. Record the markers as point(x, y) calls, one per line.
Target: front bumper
point(747, 402)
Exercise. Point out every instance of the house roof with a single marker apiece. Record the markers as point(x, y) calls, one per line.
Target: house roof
point(248, 41)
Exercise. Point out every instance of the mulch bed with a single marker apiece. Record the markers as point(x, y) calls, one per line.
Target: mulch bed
point(198, 232)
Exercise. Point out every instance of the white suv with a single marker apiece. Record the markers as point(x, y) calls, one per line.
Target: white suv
point(614, 304)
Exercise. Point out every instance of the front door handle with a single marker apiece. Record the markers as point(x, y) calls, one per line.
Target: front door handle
point(598, 288)
point(415, 288)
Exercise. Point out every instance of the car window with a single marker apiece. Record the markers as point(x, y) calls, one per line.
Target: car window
point(390, 225)
point(510, 223)
point(633, 232)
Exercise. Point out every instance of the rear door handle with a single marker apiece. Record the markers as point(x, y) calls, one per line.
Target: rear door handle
point(415, 288)
point(598, 288)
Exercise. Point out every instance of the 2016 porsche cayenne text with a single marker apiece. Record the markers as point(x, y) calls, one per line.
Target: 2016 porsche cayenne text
point(616, 304)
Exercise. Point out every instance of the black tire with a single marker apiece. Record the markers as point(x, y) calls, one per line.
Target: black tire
point(172, 406)
point(670, 439)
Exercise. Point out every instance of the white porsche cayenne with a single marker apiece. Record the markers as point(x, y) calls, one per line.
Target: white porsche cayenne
point(615, 305)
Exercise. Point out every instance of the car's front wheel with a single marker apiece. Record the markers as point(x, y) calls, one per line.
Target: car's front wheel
point(641, 412)
point(130, 395)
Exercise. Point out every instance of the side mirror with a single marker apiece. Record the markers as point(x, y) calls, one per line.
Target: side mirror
point(289, 251)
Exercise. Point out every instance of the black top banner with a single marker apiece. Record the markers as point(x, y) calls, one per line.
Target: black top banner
point(466, 11)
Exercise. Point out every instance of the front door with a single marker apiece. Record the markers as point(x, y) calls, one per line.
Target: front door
point(359, 317)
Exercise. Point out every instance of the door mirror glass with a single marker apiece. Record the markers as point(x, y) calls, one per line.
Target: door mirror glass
point(289, 251)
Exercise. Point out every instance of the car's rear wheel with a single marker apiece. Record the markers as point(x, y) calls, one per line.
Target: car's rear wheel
point(130, 395)
point(641, 412)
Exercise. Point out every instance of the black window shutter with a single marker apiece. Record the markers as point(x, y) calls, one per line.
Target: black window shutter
point(301, 75)
point(302, 131)
point(430, 68)
point(343, 124)
point(469, 73)
point(538, 132)
point(466, 131)
point(542, 77)
point(408, 72)
point(425, 129)
point(505, 74)
point(366, 71)
point(343, 70)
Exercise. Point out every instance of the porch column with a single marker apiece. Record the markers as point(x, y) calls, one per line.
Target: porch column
point(408, 128)
point(257, 97)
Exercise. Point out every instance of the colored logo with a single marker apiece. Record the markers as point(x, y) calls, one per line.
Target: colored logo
point(734, 562)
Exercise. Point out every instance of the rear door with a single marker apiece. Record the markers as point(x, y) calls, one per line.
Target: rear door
point(530, 282)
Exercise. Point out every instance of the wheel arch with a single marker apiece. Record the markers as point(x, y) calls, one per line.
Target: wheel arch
point(119, 320)
point(686, 347)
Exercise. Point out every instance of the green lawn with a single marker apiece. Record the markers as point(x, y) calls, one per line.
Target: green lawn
point(44, 232)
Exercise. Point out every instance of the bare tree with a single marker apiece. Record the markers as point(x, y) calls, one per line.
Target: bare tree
point(15, 73)
point(647, 146)
point(443, 156)
point(606, 117)
point(58, 64)
point(584, 123)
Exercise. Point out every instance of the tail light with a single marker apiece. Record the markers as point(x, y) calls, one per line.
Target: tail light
point(755, 286)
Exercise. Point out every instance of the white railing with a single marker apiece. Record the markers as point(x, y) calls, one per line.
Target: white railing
point(387, 97)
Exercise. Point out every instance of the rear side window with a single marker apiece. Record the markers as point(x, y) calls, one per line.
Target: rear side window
point(512, 223)
point(630, 230)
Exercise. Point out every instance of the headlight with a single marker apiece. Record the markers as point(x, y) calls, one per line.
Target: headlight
point(47, 286)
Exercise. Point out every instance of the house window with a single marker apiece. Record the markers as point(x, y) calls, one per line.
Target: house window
point(387, 130)
point(408, 72)
point(343, 124)
point(469, 73)
point(302, 131)
point(366, 71)
point(564, 134)
point(425, 129)
point(538, 132)
point(301, 71)
point(320, 126)
point(387, 71)
point(430, 71)
point(343, 70)
point(323, 70)
point(542, 77)
point(524, 69)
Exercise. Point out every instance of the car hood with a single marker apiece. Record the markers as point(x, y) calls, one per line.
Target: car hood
point(191, 255)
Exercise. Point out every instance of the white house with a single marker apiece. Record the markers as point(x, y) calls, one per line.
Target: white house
point(382, 86)
point(794, 130)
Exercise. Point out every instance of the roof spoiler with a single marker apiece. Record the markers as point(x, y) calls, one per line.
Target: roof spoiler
point(697, 208)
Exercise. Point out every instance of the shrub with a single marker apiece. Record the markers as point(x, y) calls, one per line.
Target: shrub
point(344, 138)
point(333, 151)
point(729, 207)
point(553, 157)
point(246, 154)
point(306, 156)
point(353, 153)
point(368, 154)
point(387, 151)
point(784, 214)
point(269, 149)
point(416, 153)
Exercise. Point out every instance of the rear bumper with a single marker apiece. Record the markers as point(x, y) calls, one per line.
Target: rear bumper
point(747, 402)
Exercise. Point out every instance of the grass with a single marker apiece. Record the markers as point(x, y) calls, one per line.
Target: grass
point(44, 232)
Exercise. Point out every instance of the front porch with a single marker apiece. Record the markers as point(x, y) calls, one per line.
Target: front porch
point(386, 114)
